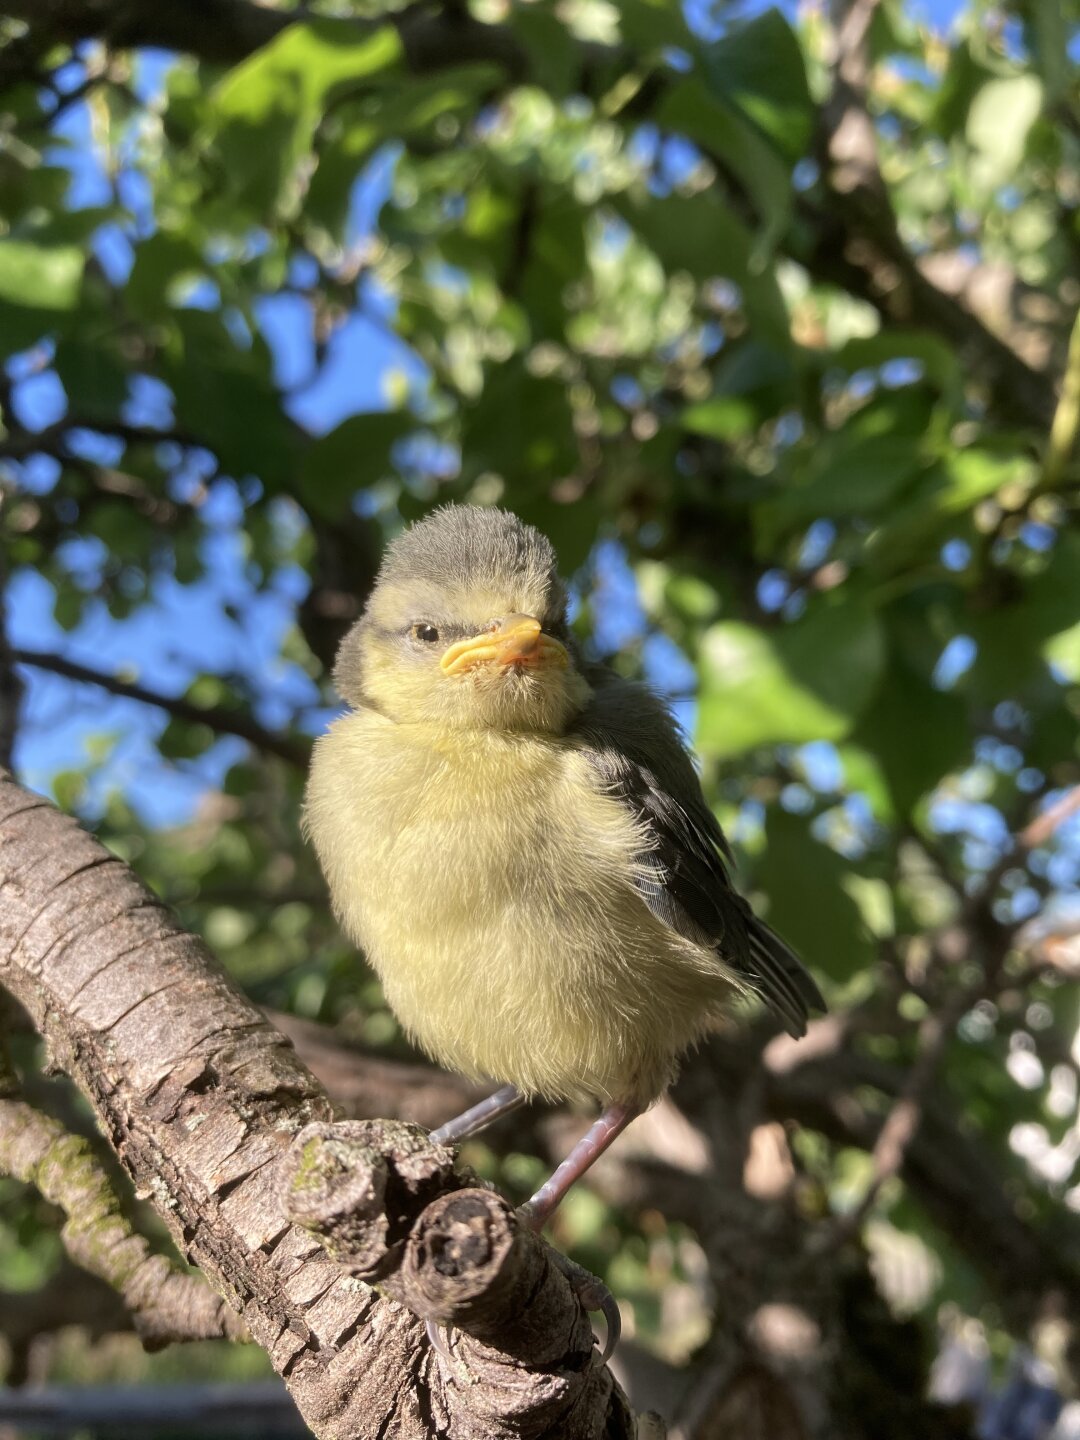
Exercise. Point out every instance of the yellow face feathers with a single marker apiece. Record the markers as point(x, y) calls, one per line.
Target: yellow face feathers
point(466, 629)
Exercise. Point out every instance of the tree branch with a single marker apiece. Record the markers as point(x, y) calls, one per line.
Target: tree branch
point(219, 719)
point(855, 241)
point(227, 31)
point(1042, 828)
point(1029, 1270)
point(165, 1302)
point(202, 1100)
point(70, 1296)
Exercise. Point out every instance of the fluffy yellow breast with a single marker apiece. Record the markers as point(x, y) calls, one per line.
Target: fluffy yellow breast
point(490, 881)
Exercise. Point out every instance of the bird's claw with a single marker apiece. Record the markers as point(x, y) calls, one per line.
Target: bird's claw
point(435, 1336)
point(592, 1294)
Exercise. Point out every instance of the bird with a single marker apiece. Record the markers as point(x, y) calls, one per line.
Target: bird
point(517, 839)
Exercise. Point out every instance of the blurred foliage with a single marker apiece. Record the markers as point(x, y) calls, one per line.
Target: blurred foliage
point(796, 425)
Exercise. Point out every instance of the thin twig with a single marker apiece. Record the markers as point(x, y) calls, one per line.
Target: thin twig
point(1039, 831)
point(1066, 420)
point(905, 1114)
point(219, 719)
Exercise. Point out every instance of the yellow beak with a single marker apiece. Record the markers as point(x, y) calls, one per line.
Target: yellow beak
point(517, 640)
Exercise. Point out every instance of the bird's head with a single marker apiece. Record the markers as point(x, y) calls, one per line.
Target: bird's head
point(466, 628)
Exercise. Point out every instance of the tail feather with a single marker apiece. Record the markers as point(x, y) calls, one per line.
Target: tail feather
point(782, 980)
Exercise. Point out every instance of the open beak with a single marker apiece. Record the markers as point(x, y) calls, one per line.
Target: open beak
point(516, 640)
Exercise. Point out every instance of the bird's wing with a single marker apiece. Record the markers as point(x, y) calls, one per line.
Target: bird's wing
point(633, 746)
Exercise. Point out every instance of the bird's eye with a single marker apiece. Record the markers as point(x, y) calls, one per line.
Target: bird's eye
point(425, 632)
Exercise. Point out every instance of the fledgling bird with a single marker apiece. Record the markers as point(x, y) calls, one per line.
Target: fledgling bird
point(519, 843)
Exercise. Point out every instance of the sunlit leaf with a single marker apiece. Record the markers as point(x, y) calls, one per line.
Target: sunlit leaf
point(760, 65)
point(917, 734)
point(998, 122)
point(263, 114)
point(44, 277)
point(808, 680)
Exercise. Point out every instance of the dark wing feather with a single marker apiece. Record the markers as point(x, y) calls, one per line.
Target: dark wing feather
point(631, 742)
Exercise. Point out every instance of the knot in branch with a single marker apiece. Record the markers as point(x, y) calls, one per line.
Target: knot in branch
point(386, 1203)
point(468, 1264)
point(357, 1186)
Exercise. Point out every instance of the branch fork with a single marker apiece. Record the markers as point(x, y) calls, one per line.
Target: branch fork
point(387, 1204)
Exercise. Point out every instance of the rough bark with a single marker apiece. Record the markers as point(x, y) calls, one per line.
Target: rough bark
point(205, 1104)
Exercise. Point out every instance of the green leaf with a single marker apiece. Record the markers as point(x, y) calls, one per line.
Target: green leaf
point(417, 112)
point(225, 397)
point(963, 79)
point(69, 606)
point(650, 27)
point(264, 113)
point(697, 234)
point(521, 428)
point(917, 734)
point(92, 376)
point(72, 227)
point(715, 125)
point(351, 458)
point(998, 122)
point(809, 902)
point(557, 259)
point(807, 680)
point(1052, 46)
point(939, 360)
point(760, 67)
point(184, 739)
point(554, 53)
point(1063, 652)
point(724, 417)
point(162, 262)
point(846, 476)
point(752, 382)
point(31, 194)
point(947, 489)
point(40, 276)
point(1019, 636)
point(864, 775)
point(571, 527)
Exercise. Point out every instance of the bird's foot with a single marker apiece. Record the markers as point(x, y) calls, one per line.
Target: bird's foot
point(592, 1294)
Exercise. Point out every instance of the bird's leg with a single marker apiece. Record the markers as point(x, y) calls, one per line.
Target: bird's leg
point(538, 1211)
point(477, 1117)
point(593, 1293)
point(535, 1213)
